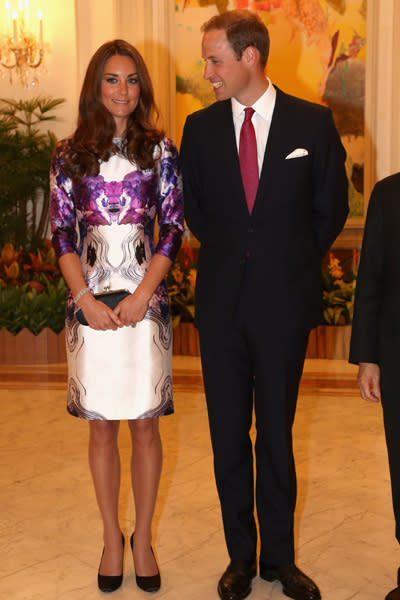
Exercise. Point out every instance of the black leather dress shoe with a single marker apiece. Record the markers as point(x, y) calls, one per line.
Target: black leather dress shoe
point(295, 583)
point(235, 583)
point(110, 583)
point(394, 594)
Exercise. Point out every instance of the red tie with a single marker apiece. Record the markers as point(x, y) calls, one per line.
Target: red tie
point(248, 158)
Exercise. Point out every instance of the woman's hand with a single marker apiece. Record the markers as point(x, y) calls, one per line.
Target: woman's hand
point(98, 315)
point(133, 308)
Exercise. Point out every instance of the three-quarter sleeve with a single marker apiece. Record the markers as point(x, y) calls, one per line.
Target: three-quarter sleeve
point(62, 207)
point(170, 213)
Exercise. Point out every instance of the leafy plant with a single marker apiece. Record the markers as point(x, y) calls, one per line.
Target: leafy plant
point(339, 283)
point(25, 154)
point(181, 286)
point(32, 290)
point(22, 306)
point(18, 267)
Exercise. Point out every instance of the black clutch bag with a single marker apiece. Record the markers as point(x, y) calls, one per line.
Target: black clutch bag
point(111, 298)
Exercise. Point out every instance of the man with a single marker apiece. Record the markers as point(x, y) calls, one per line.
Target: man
point(258, 289)
point(375, 338)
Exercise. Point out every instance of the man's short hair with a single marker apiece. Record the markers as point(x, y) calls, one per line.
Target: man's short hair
point(243, 29)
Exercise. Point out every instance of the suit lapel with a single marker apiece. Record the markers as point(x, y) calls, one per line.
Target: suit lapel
point(274, 151)
point(275, 148)
point(226, 130)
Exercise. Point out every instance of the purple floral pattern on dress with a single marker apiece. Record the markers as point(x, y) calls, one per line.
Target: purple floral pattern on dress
point(108, 221)
point(138, 199)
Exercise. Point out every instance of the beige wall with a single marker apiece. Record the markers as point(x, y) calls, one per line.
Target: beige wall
point(150, 26)
point(61, 79)
point(383, 90)
point(95, 24)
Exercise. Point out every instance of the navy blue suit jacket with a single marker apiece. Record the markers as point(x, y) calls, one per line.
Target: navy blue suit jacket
point(300, 208)
point(376, 326)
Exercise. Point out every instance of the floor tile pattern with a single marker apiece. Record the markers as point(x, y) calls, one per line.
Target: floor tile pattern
point(50, 532)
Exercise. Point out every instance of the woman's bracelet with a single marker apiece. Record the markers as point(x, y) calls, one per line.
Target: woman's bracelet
point(80, 294)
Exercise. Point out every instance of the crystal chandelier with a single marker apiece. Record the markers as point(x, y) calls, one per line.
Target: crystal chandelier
point(21, 52)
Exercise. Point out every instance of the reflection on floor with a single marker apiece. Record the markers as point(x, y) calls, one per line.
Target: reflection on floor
point(50, 533)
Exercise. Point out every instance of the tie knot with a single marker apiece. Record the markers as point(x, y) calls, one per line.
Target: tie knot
point(248, 113)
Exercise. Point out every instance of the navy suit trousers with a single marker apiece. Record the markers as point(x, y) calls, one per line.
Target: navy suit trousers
point(254, 364)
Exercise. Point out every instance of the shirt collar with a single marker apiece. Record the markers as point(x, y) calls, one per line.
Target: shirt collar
point(264, 106)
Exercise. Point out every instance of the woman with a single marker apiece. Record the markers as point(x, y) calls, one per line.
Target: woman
point(109, 182)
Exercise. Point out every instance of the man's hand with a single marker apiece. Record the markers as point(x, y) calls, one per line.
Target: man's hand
point(368, 381)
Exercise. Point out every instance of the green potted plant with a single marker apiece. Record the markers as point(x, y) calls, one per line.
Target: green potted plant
point(332, 339)
point(339, 283)
point(32, 291)
point(25, 153)
point(181, 282)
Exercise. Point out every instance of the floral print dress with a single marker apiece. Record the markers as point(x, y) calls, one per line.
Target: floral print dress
point(109, 221)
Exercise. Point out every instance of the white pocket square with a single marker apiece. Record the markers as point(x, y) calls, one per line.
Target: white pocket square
point(297, 153)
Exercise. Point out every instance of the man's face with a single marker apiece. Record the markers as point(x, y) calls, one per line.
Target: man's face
point(229, 76)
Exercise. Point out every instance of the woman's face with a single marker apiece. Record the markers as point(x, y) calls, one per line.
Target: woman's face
point(120, 90)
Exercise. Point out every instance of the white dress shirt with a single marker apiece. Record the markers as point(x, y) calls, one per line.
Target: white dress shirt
point(261, 119)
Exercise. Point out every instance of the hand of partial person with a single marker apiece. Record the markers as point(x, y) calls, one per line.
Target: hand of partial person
point(98, 315)
point(369, 381)
point(133, 308)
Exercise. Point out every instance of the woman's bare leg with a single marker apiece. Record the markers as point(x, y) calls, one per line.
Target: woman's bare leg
point(146, 466)
point(106, 472)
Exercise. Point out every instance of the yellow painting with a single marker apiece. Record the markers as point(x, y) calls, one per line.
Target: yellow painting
point(317, 53)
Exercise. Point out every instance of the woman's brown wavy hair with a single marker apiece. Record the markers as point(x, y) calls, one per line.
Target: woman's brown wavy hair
point(92, 140)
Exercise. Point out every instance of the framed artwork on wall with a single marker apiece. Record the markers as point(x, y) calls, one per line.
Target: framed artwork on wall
point(318, 52)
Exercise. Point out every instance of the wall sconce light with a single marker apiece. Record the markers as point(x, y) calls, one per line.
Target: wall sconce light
point(20, 50)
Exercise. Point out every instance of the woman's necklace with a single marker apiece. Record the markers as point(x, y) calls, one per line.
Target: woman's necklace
point(120, 143)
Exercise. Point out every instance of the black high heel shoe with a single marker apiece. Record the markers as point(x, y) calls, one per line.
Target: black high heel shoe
point(150, 583)
point(110, 583)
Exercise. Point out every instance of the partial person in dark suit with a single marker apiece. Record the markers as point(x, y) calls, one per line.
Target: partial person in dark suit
point(258, 289)
point(375, 338)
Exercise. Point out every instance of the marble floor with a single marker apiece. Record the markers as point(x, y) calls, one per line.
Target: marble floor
point(50, 532)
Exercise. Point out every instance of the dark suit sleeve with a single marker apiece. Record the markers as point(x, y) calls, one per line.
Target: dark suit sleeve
point(191, 182)
point(369, 290)
point(330, 193)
